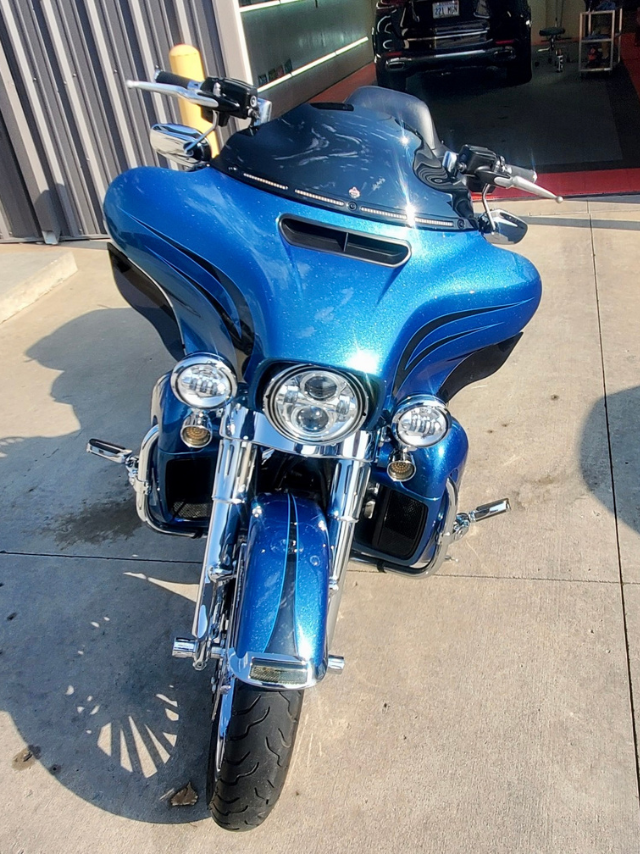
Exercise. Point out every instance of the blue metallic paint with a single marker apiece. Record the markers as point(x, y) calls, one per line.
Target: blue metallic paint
point(283, 609)
point(307, 306)
point(434, 466)
point(214, 247)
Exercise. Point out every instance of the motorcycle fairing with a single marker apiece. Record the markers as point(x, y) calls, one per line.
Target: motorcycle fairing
point(184, 477)
point(434, 466)
point(238, 288)
point(282, 614)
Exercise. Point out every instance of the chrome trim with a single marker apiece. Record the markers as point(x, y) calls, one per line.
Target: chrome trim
point(335, 662)
point(450, 162)
point(241, 669)
point(223, 697)
point(291, 372)
point(265, 109)
point(234, 469)
point(108, 451)
point(204, 359)
point(180, 144)
point(239, 422)
point(484, 511)
point(348, 491)
point(412, 403)
point(140, 479)
point(473, 36)
point(196, 418)
point(184, 648)
point(401, 62)
point(401, 456)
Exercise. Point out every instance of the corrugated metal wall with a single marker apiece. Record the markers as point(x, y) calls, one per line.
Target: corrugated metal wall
point(70, 124)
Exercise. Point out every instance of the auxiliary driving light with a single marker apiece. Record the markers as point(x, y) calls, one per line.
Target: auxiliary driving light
point(203, 381)
point(196, 430)
point(421, 421)
point(401, 467)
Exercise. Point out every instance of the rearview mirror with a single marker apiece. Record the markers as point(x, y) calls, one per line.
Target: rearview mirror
point(502, 228)
point(182, 144)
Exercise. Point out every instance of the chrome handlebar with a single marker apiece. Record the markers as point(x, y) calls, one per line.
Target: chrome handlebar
point(220, 97)
point(191, 94)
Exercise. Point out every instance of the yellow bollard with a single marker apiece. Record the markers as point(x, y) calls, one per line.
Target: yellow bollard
point(186, 61)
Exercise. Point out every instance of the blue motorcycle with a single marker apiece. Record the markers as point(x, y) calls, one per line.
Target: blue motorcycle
point(326, 288)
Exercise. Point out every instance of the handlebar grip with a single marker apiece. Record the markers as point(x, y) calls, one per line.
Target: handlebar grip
point(519, 172)
point(171, 79)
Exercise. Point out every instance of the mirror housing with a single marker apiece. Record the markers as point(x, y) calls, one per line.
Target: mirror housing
point(181, 144)
point(502, 228)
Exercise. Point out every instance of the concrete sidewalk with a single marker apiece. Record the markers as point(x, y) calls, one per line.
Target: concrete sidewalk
point(488, 709)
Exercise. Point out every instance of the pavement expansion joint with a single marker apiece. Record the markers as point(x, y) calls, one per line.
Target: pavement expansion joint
point(623, 603)
point(526, 578)
point(116, 558)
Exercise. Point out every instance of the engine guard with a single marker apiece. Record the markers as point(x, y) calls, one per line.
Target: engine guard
point(280, 639)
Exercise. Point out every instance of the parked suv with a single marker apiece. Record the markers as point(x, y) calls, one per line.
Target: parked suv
point(410, 36)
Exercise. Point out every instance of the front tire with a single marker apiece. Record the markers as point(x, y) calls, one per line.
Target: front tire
point(248, 765)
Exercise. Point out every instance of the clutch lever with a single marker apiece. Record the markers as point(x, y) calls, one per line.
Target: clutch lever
point(526, 186)
point(192, 95)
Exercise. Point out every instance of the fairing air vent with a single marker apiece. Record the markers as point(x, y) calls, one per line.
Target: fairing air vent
point(338, 241)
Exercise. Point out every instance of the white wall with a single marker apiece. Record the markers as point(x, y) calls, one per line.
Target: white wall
point(544, 12)
point(285, 37)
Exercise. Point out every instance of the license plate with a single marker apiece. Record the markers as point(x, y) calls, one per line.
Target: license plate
point(446, 9)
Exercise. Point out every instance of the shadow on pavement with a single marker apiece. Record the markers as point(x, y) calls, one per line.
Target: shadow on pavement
point(86, 671)
point(623, 408)
point(61, 499)
point(87, 676)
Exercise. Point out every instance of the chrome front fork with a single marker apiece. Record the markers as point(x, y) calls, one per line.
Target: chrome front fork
point(348, 490)
point(236, 460)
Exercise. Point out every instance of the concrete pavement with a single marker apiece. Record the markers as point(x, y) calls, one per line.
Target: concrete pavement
point(488, 709)
point(32, 274)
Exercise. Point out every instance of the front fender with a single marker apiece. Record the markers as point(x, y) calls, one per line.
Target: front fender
point(281, 621)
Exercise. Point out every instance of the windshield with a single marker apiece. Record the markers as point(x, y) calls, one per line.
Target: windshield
point(351, 159)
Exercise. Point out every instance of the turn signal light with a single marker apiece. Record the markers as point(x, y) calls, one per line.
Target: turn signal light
point(401, 467)
point(196, 430)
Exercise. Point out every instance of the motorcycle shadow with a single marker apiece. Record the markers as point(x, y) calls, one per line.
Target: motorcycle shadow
point(622, 409)
point(87, 677)
point(86, 671)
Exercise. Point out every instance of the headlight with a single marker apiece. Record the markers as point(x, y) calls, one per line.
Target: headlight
point(421, 421)
point(203, 381)
point(315, 406)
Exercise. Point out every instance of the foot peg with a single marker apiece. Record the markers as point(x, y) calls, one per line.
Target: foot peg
point(184, 648)
point(484, 511)
point(488, 511)
point(109, 451)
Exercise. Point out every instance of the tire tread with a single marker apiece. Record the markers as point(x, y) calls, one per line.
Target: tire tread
point(258, 749)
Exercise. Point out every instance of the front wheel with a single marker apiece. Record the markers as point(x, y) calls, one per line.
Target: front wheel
point(251, 746)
